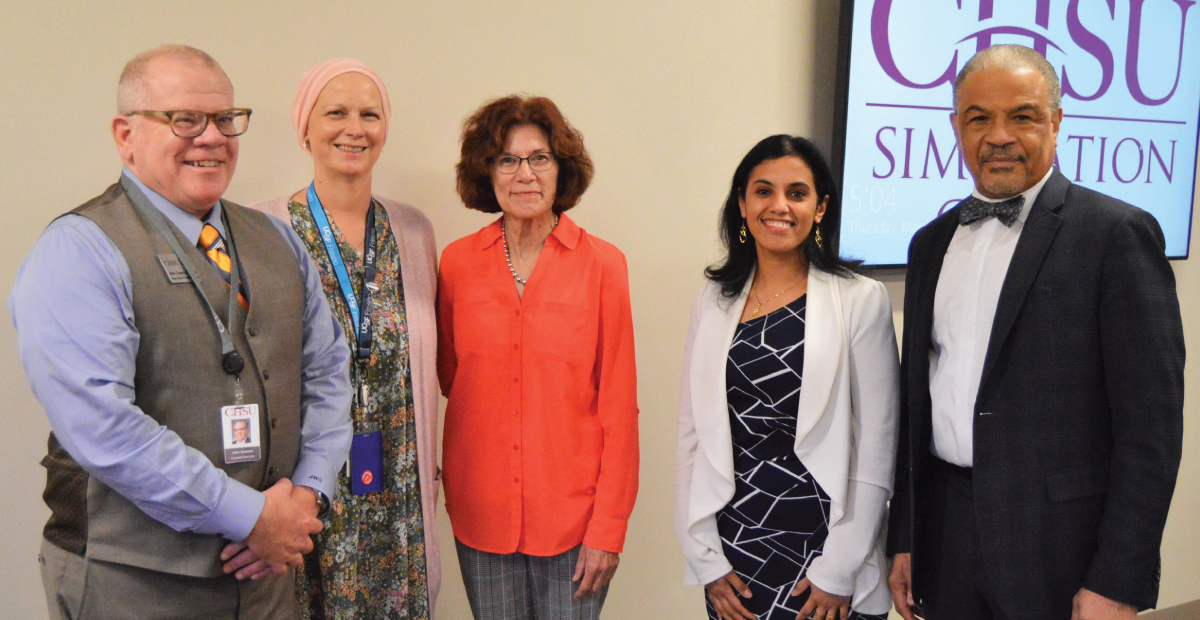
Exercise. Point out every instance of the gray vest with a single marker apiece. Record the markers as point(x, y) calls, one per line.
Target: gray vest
point(180, 384)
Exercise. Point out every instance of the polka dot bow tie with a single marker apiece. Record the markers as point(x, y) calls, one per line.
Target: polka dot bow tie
point(1006, 211)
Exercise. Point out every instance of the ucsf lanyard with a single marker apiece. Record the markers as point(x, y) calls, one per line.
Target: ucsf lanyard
point(231, 360)
point(360, 315)
point(365, 465)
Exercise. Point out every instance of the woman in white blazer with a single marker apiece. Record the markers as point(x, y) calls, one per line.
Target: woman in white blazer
point(789, 407)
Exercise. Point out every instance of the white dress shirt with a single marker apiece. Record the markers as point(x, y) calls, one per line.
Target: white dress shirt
point(963, 309)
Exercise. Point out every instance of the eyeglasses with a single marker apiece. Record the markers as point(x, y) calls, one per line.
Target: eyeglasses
point(191, 123)
point(538, 162)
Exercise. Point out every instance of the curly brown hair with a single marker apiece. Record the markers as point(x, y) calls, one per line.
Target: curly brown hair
point(483, 138)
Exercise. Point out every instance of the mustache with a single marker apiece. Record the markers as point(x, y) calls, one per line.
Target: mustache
point(1003, 153)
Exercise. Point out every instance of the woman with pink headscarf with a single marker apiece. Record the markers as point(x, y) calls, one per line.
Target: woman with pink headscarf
point(377, 556)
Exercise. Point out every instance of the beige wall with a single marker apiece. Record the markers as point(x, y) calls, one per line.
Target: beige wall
point(669, 95)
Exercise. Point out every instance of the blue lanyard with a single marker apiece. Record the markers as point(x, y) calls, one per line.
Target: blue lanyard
point(360, 315)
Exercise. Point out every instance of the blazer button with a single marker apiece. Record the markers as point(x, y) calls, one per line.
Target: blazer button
point(274, 422)
point(266, 375)
point(253, 331)
point(273, 470)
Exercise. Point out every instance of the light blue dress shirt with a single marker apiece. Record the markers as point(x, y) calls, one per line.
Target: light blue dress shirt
point(72, 305)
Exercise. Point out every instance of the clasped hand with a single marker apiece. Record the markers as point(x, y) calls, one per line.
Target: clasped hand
point(281, 536)
point(724, 592)
point(821, 604)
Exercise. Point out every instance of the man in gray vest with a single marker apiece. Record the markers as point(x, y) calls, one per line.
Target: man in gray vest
point(149, 320)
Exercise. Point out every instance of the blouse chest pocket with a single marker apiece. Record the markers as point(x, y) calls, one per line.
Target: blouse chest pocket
point(479, 327)
point(564, 332)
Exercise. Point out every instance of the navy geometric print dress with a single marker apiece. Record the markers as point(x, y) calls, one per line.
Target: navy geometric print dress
point(778, 519)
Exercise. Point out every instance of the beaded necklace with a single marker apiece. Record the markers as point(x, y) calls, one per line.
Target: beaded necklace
point(508, 257)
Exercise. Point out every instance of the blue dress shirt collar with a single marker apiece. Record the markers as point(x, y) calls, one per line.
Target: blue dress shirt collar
point(187, 223)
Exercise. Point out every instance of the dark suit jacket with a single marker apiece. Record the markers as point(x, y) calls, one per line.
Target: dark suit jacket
point(1079, 417)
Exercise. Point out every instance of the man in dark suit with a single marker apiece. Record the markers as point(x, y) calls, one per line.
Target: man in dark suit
point(1042, 379)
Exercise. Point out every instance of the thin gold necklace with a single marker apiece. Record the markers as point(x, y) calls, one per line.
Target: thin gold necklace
point(761, 302)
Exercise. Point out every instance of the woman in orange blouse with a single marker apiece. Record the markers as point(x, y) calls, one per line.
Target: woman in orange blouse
point(535, 354)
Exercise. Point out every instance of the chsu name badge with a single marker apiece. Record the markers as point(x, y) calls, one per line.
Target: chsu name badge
point(174, 269)
point(239, 427)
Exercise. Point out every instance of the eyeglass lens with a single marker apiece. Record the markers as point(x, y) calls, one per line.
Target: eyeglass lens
point(539, 162)
point(189, 123)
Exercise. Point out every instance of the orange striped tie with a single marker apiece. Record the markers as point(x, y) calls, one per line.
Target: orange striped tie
point(213, 247)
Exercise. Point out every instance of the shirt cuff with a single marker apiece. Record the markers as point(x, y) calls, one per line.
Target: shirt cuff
point(709, 572)
point(829, 579)
point(606, 534)
point(236, 513)
point(310, 473)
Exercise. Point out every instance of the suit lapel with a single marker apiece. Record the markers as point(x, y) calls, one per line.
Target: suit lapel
point(823, 349)
point(1040, 228)
point(925, 277)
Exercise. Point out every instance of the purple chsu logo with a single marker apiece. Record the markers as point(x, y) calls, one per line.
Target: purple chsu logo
point(1097, 50)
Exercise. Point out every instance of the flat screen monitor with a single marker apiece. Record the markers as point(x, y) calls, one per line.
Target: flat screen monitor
point(1130, 76)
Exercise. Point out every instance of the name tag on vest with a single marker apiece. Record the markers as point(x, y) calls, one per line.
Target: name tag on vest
point(174, 269)
point(239, 428)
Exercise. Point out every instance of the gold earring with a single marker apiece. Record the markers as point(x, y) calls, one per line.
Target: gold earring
point(742, 233)
point(818, 229)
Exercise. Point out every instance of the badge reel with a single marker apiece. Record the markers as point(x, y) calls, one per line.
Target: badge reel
point(239, 421)
point(366, 455)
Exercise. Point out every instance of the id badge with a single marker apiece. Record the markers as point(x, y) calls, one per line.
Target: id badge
point(176, 273)
point(366, 463)
point(239, 429)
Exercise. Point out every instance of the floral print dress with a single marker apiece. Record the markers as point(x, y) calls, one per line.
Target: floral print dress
point(369, 561)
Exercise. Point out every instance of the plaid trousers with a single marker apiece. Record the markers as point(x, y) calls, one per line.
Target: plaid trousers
point(515, 586)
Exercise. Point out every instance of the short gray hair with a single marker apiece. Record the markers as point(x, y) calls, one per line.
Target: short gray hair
point(131, 88)
point(1012, 58)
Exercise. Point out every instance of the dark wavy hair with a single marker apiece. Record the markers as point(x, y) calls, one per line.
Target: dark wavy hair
point(740, 258)
point(483, 138)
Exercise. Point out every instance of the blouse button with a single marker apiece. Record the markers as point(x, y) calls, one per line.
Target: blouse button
point(517, 480)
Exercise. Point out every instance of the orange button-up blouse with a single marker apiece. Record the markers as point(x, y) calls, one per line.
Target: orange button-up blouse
point(541, 444)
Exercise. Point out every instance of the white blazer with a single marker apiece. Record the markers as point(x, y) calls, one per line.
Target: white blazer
point(846, 432)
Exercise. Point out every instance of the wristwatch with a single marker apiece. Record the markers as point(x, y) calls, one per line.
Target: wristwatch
point(322, 505)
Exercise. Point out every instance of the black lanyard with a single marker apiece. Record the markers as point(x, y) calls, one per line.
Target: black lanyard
point(231, 360)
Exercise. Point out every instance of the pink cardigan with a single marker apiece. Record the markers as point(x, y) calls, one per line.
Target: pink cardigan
point(418, 270)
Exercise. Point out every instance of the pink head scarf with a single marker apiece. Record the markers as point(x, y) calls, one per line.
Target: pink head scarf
point(315, 80)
